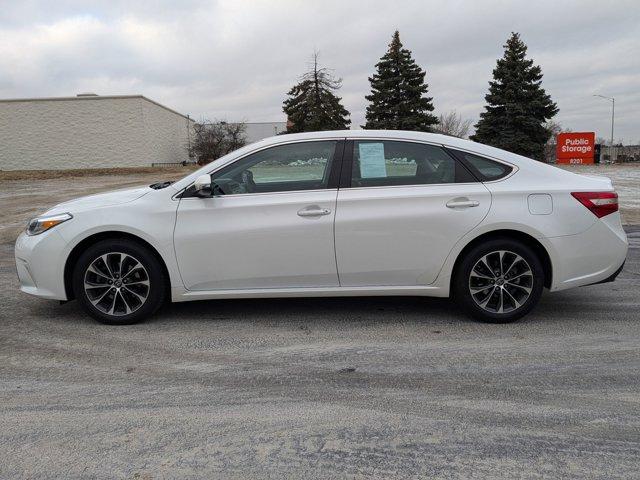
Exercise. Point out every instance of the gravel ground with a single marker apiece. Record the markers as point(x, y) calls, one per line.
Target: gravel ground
point(321, 388)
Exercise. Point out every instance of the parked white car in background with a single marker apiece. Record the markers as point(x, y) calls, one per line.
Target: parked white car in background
point(333, 214)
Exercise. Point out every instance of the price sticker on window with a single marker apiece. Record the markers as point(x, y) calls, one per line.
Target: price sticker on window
point(372, 164)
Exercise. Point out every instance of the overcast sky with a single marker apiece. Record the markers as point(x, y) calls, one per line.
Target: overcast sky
point(235, 60)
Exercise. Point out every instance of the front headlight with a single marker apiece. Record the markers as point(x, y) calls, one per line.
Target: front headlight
point(41, 224)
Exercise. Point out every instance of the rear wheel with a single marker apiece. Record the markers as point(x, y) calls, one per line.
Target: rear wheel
point(118, 282)
point(499, 281)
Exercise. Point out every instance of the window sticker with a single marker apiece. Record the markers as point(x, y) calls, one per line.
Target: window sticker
point(372, 163)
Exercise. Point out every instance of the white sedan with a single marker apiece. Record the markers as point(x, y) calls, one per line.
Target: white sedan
point(333, 214)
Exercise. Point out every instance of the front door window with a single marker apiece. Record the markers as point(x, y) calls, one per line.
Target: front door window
point(283, 168)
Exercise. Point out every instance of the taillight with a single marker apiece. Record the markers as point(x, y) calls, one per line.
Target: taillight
point(600, 203)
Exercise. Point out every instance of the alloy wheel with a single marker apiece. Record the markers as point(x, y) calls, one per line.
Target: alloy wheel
point(501, 281)
point(116, 283)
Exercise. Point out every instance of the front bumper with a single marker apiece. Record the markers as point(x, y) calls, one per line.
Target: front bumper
point(40, 264)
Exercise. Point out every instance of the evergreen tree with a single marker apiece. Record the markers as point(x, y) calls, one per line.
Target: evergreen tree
point(312, 104)
point(517, 105)
point(397, 89)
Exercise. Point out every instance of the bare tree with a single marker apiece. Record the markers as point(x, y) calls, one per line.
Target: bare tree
point(554, 128)
point(212, 140)
point(453, 124)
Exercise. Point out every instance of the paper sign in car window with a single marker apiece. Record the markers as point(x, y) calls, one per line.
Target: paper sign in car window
point(372, 160)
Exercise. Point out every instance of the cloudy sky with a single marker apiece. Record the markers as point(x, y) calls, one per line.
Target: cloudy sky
point(235, 60)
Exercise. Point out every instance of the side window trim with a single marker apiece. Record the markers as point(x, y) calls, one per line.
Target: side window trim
point(347, 165)
point(335, 174)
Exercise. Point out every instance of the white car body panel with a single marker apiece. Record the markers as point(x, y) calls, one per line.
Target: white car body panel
point(590, 256)
point(99, 200)
point(255, 245)
point(256, 241)
point(151, 218)
point(383, 234)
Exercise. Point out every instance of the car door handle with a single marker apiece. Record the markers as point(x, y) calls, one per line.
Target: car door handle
point(316, 212)
point(462, 203)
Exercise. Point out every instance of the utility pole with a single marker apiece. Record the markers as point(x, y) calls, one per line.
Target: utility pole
point(613, 114)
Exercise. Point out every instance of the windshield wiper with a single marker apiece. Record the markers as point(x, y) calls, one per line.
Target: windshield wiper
point(160, 185)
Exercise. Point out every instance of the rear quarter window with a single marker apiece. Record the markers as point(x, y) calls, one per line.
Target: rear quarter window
point(486, 170)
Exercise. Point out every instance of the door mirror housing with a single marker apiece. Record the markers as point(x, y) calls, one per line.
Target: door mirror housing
point(202, 186)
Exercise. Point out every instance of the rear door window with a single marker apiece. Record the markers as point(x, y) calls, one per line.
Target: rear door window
point(381, 163)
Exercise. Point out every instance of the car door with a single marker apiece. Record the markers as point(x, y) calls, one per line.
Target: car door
point(269, 223)
point(401, 208)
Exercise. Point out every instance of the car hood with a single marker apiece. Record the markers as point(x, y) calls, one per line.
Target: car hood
point(115, 197)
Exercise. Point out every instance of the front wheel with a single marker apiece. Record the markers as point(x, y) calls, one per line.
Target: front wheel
point(118, 282)
point(499, 281)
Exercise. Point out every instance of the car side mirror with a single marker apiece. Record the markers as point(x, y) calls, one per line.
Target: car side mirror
point(202, 186)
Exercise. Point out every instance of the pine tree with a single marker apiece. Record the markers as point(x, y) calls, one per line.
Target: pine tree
point(397, 89)
point(312, 104)
point(517, 105)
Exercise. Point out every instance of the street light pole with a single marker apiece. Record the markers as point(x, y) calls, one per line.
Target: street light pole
point(613, 114)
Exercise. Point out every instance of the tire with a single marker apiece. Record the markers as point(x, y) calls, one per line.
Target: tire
point(119, 282)
point(515, 290)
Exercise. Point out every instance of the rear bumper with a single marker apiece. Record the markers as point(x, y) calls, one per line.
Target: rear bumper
point(594, 256)
point(611, 278)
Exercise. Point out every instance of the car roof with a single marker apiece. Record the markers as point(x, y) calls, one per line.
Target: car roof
point(390, 134)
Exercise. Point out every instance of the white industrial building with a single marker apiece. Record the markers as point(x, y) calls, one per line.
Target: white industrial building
point(90, 131)
point(258, 130)
point(99, 131)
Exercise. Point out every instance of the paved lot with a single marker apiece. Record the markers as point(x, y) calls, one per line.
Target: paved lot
point(323, 388)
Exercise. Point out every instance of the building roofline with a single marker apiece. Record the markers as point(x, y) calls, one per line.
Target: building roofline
point(91, 97)
point(234, 122)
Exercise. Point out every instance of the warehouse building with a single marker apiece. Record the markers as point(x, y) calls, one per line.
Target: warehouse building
point(258, 130)
point(91, 131)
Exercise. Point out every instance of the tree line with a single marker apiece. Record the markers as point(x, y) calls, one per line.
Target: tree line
point(514, 118)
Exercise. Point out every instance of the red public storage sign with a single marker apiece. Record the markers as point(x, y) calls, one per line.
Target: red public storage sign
point(575, 147)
